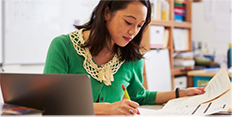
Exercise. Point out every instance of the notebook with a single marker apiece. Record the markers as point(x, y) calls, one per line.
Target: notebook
point(53, 94)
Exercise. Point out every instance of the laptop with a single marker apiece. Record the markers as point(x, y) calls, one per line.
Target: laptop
point(53, 94)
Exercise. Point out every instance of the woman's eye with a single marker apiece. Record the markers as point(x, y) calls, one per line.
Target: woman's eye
point(128, 23)
point(139, 26)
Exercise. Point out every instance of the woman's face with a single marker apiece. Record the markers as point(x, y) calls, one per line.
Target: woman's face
point(125, 24)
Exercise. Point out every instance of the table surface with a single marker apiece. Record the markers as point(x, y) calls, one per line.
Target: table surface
point(156, 107)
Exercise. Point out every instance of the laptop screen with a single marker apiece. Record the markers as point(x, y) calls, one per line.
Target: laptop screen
point(54, 94)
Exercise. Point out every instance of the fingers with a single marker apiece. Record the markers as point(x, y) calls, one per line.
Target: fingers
point(124, 107)
point(130, 111)
point(199, 90)
point(131, 107)
point(202, 89)
point(134, 111)
point(133, 104)
point(194, 91)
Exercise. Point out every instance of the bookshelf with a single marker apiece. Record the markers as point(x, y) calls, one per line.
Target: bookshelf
point(170, 25)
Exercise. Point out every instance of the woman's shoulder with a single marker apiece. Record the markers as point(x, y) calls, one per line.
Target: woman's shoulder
point(64, 38)
point(67, 38)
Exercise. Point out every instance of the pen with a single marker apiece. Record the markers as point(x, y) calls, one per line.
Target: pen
point(126, 93)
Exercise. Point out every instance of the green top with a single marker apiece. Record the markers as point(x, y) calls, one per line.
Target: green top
point(62, 57)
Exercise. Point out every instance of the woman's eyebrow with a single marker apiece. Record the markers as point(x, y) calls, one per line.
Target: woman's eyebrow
point(130, 16)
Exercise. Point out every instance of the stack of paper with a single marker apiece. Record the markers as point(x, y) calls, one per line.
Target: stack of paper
point(184, 60)
point(217, 98)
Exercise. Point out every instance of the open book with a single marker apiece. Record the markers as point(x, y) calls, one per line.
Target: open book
point(217, 97)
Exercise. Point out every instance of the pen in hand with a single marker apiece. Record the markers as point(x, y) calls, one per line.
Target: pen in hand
point(126, 94)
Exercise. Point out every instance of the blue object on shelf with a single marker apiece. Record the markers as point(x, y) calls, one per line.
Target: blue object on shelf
point(229, 56)
point(211, 57)
point(202, 81)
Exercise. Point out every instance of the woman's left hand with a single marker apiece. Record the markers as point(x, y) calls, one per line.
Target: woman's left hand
point(192, 91)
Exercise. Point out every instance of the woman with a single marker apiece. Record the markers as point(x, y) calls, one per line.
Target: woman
point(107, 49)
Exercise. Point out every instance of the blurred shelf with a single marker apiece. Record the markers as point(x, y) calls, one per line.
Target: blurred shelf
point(182, 24)
point(182, 50)
point(171, 24)
point(161, 23)
point(178, 71)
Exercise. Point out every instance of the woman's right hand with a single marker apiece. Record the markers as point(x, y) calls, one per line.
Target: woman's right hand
point(123, 107)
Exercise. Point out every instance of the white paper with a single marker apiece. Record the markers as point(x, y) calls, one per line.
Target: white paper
point(146, 111)
point(220, 104)
point(158, 71)
point(217, 97)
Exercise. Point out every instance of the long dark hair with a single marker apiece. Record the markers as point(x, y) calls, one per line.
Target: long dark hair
point(100, 36)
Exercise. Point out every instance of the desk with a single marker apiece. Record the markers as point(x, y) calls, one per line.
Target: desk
point(193, 76)
point(156, 107)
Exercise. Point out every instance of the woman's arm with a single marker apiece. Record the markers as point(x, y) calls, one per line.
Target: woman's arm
point(101, 108)
point(163, 97)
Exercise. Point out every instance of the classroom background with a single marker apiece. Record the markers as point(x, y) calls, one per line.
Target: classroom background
point(28, 26)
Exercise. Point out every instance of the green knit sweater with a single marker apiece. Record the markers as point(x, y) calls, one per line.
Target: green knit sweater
point(62, 58)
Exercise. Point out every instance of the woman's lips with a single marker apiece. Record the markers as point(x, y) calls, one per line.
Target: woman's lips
point(127, 39)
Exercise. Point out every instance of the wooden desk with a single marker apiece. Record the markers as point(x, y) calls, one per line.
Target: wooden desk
point(200, 73)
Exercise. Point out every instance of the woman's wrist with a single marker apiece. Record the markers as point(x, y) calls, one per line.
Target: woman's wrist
point(182, 93)
point(102, 108)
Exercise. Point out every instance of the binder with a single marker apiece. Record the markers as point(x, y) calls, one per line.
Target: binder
point(156, 36)
point(180, 38)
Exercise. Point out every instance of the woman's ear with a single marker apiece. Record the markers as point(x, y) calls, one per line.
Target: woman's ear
point(107, 14)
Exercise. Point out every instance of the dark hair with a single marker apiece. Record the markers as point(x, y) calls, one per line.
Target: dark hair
point(100, 36)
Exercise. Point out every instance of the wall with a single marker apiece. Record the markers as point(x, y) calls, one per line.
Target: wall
point(30, 25)
point(208, 27)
